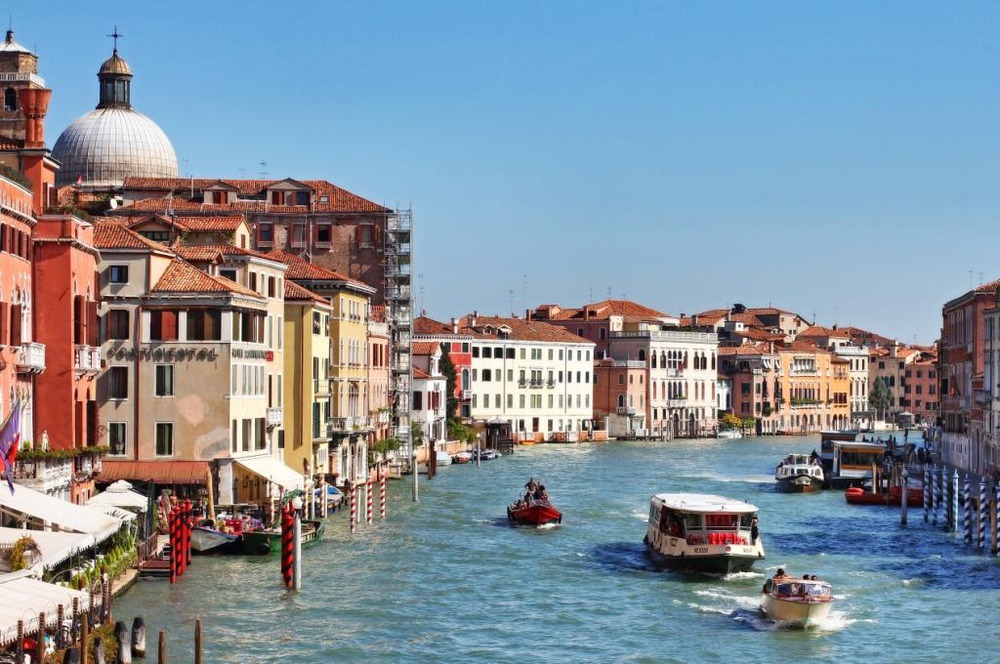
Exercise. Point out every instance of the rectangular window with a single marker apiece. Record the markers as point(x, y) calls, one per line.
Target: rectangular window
point(228, 274)
point(164, 380)
point(118, 383)
point(204, 325)
point(116, 438)
point(487, 351)
point(265, 233)
point(510, 401)
point(324, 234)
point(116, 324)
point(163, 325)
point(475, 351)
point(164, 439)
point(118, 274)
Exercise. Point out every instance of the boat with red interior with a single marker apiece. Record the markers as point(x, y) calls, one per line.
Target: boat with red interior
point(535, 508)
point(857, 495)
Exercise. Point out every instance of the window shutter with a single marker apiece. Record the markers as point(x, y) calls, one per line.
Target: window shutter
point(4, 318)
point(79, 319)
point(92, 337)
point(358, 237)
point(15, 325)
point(169, 325)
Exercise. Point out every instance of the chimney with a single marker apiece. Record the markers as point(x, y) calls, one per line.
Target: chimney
point(527, 314)
point(694, 320)
point(454, 326)
point(472, 319)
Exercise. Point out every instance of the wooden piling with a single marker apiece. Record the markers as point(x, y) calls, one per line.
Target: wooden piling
point(197, 630)
point(138, 637)
point(904, 475)
point(60, 619)
point(161, 650)
point(983, 514)
point(84, 638)
point(124, 639)
point(967, 517)
point(99, 655)
point(39, 654)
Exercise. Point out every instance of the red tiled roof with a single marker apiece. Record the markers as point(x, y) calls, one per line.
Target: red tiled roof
point(302, 270)
point(425, 347)
point(182, 277)
point(820, 331)
point(197, 252)
point(746, 348)
point(604, 309)
point(225, 250)
point(161, 472)
point(111, 235)
point(296, 293)
point(521, 330)
point(420, 374)
point(430, 327)
point(338, 199)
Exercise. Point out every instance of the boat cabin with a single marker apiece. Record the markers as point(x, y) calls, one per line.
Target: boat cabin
point(700, 524)
point(801, 588)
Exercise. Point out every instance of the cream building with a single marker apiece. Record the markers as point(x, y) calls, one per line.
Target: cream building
point(537, 376)
point(429, 391)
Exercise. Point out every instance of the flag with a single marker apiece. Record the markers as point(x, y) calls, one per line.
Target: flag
point(10, 436)
point(79, 179)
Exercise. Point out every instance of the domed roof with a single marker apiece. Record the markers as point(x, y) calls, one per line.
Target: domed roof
point(115, 65)
point(107, 145)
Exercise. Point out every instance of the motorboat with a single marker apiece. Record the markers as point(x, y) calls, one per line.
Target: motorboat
point(205, 539)
point(334, 497)
point(799, 473)
point(703, 533)
point(729, 433)
point(443, 458)
point(267, 542)
point(796, 601)
point(488, 455)
point(857, 495)
point(464, 456)
point(533, 513)
point(535, 508)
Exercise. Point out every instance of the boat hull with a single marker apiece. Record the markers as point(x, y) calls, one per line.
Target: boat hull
point(712, 559)
point(535, 514)
point(796, 612)
point(268, 542)
point(799, 484)
point(858, 496)
point(208, 541)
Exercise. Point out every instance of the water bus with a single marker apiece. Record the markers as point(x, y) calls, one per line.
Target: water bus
point(846, 460)
point(703, 533)
point(799, 473)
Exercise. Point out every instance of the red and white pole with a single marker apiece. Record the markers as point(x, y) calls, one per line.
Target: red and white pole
point(369, 499)
point(354, 507)
point(381, 493)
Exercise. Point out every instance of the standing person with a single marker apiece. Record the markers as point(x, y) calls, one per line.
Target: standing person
point(754, 531)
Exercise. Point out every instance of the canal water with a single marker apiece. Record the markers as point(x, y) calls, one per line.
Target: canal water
point(447, 580)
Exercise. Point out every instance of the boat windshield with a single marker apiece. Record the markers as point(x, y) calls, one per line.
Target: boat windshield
point(803, 589)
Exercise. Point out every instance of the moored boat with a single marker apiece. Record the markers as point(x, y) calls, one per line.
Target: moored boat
point(465, 456)
point(799, 473)
point(856, 495)
point(729, 433)
point(488, 455)
point(267, 542)
point(703, 533)
point(796, 601)
point(207, 540)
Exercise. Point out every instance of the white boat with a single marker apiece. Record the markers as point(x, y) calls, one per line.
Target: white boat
point(205, 539)
point(799, 473)
point(443, 458)
point(488, 455)
point(703, 533)
point(799, 602)
point(729, 433)
point(465, 456)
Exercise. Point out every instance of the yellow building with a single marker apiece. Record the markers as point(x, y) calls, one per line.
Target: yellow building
point(307, 403)
point(813, 389)
point(345, 381)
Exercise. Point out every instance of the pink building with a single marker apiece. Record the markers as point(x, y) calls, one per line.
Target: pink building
point(620, 395)
point(459, 344)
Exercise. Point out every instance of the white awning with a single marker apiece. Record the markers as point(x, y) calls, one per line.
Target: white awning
point(58, 514)
point(24, 598)
point(55, 546)
point(272, 469)
point(120, 494)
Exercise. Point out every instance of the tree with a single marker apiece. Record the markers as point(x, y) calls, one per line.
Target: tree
point(450, 378)
point(879, 397)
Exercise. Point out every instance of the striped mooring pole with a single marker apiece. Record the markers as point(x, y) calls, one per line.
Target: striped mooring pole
point(967, 518)
point(353, 490)
point(984, 516)
point(927, 493)
point(381, 494)
point(288, 545)
point(369, 499)
point(953, 512)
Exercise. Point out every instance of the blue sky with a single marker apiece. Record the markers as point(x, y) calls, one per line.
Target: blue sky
point(835, 159)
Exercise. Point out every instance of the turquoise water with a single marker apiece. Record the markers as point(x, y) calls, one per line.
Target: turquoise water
point(446, 580)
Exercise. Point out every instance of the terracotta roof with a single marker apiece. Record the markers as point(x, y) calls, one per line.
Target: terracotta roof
point(182, 277)
point(430, 327)
point(746, 348)
point(224, 249)
point(300, 269)
point(197, 253)
point(521, 330)
point(296, 293)
point(820, 331)
point(338, 199)
point(802, 347)
point(110, 235)
point(420, 374)
point(603, 310)
point(425, 347)
point(161, 472)
point(760, 335)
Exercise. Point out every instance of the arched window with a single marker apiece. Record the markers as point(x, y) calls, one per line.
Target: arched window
point(652, 360)
point(621, 400)
point(10, 99)
point(642, 355)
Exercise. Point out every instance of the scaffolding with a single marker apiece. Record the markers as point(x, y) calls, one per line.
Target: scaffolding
point(399, 314)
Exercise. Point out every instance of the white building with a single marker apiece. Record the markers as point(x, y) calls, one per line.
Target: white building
point(429, 391)
point(682, 376)
point(537, 376)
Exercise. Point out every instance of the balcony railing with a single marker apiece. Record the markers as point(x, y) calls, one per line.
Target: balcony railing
point(339, 425)
point(523, 382)
point(536, 382)
point(31, 358)
point(321, 386)
point(87, 359)
point(983, 397)
point(274, 417)
point(467, 395)
point(550, 383)
point(625, 410)
point(677, 403)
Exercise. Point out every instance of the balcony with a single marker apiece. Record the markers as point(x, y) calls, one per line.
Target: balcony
point(677, 403)
point(625, 410)
point(31, 358)
point(536, 382)
point(983, 397)
point(86, 360)
point(466, 395)
point(339, 425)
point(321, 386)
point(274, 417)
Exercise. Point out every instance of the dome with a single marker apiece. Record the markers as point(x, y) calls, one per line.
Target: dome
point(103, 147)
point(115, 65)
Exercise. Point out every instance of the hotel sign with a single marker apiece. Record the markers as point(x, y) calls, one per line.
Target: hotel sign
point(164, 354)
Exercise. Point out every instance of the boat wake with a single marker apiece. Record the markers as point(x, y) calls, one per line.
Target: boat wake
point(758, 621)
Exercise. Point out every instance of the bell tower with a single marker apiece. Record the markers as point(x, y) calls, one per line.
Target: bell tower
point(25, 98)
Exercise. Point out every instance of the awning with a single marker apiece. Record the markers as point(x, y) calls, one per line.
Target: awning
point(120, 494)
point(28, 503)
point(160, 472)
point(24, 598)
point(55, 546)
point(272, 469)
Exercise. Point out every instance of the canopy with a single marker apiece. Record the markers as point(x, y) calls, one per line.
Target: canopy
point(55, 546)
point(24, 598)
point(120, 494)
point(58, 514)
point(161, 472)
point(273, 470)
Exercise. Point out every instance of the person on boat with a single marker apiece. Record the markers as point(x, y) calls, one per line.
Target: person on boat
point(541, 494)
point(754, 531)
point(780, 574)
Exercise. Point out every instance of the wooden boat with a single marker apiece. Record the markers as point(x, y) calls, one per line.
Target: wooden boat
point(856, 495)
point(535, 513)
point(207, 540)
point(703, 533)
point(799, 473)
point(798, 602)
point(268, 542)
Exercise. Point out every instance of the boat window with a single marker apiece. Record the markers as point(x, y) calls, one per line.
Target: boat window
point(746, 520)
point(721, 521)
point(693, 521)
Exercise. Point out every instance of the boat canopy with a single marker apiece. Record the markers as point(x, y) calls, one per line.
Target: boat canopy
point(703, 503)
